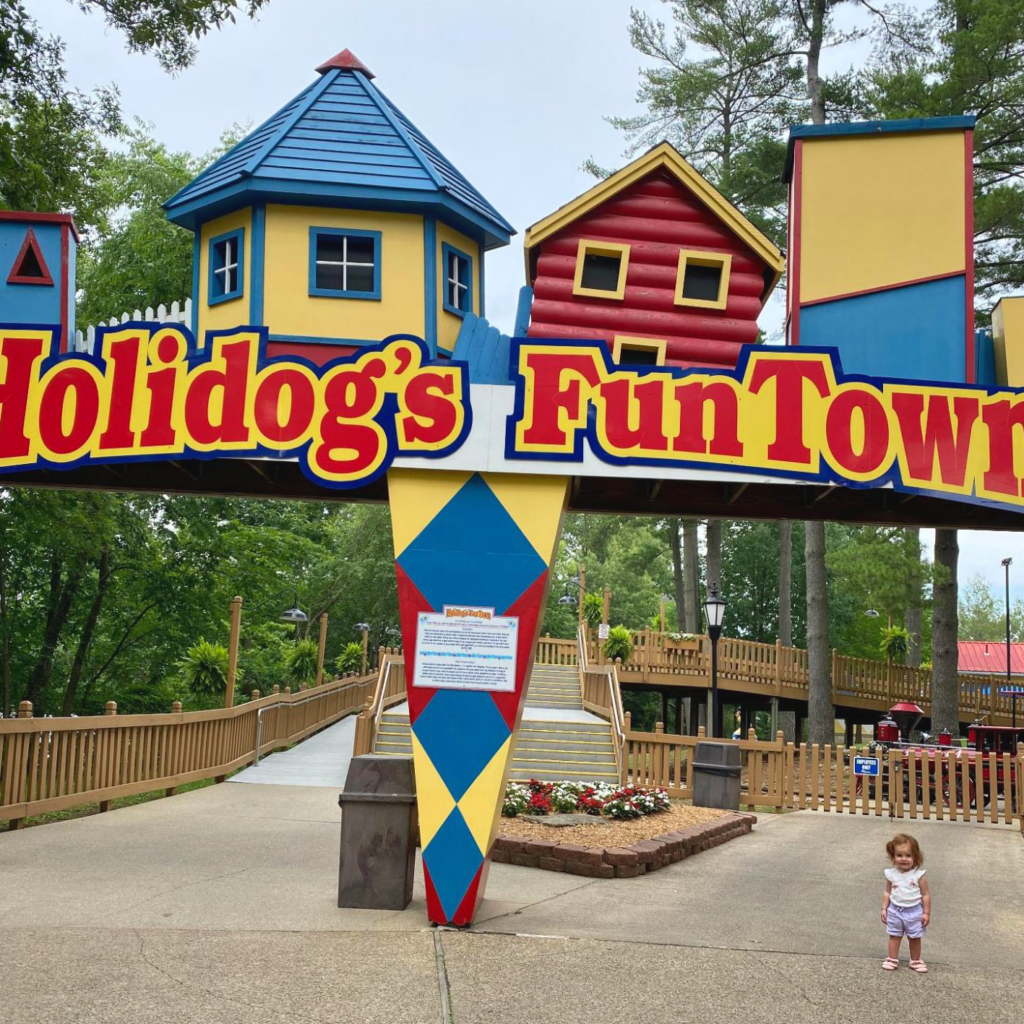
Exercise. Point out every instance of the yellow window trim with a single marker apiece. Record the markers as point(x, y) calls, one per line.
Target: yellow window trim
point(588, 247)
point(651, 344)
point(703, 259)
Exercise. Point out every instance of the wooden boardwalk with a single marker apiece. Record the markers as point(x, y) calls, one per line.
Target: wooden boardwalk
point(767, 672)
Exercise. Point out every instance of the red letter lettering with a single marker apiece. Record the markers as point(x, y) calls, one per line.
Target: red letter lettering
point(51, 410)
point(937, 437)
point(19, 354)
point(549, 397)
point(232, 381)
point(124, 355)
point(1001, 418)
point(348, 395)
point(691, 399)
point(838, 430)
point(424, 398)
point(649, 398)
point(789, 376)
point(267, 410)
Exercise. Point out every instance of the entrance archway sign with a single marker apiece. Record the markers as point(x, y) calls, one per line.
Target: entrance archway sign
point(324, 251)
point(478, 478)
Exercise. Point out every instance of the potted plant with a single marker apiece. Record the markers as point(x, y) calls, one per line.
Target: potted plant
point(683, 641)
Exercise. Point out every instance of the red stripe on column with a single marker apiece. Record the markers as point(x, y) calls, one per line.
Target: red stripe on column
point(969, 250)
point(467, 908)
point(528, 609)
point(410, 603)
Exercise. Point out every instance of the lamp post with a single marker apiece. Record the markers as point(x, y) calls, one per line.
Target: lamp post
point(665, 598)
point(295, 615)
point(714, 612)
point(364, 628)
point(1006, 563)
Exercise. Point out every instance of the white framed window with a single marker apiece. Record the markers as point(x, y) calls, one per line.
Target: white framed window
point(226, 266)
point(458, 280)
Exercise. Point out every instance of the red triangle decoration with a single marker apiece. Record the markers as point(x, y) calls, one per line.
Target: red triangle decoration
point(345, 61)
point(29, 265)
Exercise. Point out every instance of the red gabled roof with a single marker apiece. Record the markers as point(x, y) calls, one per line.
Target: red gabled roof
point(989, 656)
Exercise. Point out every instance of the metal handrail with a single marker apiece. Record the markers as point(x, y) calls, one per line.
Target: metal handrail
point(383, 689)
point(277, 704)
point(616, 715)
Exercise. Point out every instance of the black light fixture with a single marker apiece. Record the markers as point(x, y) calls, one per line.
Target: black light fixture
point(362, 627)
point(714, 612)
point(567, 598)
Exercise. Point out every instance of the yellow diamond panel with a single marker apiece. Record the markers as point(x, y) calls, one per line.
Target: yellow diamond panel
point(481, 803)
point(416, 496)
point(532, 502)
point(433, 801)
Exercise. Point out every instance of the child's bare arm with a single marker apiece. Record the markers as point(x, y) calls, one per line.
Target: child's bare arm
point(885, 900)
point(926, 901)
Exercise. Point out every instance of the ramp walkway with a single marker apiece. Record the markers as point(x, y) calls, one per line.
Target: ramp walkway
point(320, 760)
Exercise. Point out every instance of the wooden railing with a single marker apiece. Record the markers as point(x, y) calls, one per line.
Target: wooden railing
point(50, 764)
point(601, 694)
point(389, 689)
point(772, 670)
point(553, 651)
point(925, 782)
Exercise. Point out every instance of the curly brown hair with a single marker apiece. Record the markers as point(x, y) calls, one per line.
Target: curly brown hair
point(904, 840)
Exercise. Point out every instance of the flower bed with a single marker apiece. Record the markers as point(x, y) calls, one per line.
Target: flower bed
point(598, 798)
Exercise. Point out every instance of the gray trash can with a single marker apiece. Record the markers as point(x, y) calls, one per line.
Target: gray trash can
point(378, 828)
point(716, 776)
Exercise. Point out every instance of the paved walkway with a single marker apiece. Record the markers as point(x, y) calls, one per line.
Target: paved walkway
point(218, 906)
point(321, 760)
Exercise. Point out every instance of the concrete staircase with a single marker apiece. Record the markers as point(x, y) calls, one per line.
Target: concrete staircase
point(558, 740)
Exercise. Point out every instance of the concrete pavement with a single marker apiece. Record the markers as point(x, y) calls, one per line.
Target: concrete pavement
point(218, 905)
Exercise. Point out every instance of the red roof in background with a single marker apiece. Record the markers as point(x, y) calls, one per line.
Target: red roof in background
point(989, 656)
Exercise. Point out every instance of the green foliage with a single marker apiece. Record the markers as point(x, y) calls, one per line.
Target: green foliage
point(895, 643)
point(982, 615)
point(593, 609)
point(619, 644)
point(301, 661)
point(205, 668)
point(350, 659)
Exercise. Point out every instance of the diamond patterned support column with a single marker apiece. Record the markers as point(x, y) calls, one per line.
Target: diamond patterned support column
point(484, 540)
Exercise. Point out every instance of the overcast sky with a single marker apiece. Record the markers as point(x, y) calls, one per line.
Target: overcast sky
point(514, 94)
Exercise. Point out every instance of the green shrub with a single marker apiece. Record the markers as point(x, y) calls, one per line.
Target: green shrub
point(301, 661)
point(894, 643)
point(350, 659)
point(619, 644)
point(593, 609)
point(205, 668)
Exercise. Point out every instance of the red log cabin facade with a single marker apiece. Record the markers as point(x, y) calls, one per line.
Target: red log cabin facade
point(654, 262)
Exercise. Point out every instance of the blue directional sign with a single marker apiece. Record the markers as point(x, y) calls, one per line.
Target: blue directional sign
point(866, 766)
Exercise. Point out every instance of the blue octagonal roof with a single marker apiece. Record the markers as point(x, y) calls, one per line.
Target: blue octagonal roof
point(339, 141)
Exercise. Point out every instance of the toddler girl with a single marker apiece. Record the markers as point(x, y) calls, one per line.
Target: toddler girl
point(907, 904)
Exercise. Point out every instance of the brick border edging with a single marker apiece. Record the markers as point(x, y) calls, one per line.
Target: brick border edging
point(621, 861)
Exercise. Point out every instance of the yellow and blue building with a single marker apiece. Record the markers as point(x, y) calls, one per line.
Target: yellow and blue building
point(880, 245)
point(337, 223)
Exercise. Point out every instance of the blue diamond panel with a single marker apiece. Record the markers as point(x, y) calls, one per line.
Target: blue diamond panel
point(472, 553)
point(452, 858)
point(461, 730)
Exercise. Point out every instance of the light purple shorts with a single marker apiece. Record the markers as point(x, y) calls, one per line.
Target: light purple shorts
point(905, 921)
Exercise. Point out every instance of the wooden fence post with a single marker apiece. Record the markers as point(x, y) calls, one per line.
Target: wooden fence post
point(229, 681)
point(110, 708)
point(255, 694)
point(277, 688)
point(835, 674)
point(25, 709)
point(320, 653)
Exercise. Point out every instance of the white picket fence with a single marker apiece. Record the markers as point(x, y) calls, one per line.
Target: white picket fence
point(178, 313)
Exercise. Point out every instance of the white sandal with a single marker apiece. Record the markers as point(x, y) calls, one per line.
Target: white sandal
point(890, 963)
point(919, 965)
